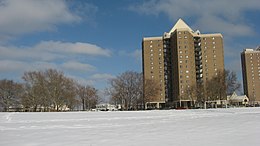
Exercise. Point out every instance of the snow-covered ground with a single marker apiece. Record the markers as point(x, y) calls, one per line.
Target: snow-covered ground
point(214, 127)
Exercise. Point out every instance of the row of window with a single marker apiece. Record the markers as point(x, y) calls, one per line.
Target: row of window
point(252, 54)
point(213, 38)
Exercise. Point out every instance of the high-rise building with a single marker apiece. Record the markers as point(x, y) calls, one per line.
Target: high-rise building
point(180, 59)
point(250, 60)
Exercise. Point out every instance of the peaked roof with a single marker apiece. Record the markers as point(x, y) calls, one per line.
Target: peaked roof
point(180, 24)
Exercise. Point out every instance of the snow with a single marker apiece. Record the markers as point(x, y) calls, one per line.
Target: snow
point(214, 127)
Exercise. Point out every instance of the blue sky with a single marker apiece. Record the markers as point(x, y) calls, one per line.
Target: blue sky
point(95, 40)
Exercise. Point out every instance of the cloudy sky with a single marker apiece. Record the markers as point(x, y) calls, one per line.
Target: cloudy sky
point(95, 40)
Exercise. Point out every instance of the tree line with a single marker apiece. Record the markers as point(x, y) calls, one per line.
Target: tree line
point(51, 90)
point(216, 88)
point(127, 90)
point(48, 90)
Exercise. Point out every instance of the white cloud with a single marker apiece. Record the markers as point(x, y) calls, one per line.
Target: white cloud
point(77, 66)
point(50, 50)
point(101, 77)
point(10, 66)
point(81, 80)
point(137, 54)
point(224, 16)
point(65, 56)
point(27, 16)
point(19, 67)
point(74, 48)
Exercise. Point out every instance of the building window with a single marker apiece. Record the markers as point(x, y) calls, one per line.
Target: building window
point(180, 61)
point(185, 37)
point(213, 38)
point(186, 56)
point(151, 46)
point(151, 54)
point(213, 42)
point(180, 52)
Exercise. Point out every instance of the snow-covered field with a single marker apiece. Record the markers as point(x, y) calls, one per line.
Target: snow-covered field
point(215, 127)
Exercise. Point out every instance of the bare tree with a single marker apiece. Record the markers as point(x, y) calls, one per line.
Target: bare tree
point(131, 92)
point(9, 93)
point(89, 96)
point(151, 89)
point(126, 90)
point(34, 91)
point(48, 89)
point(232, 84)
point(216, 87)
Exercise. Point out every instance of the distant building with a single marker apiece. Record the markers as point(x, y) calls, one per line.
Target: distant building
point(106, 107)
point(180, 59)
point(236, 100)
point(250, 60)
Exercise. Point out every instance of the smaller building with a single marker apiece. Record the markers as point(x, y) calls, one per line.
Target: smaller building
point(106, 107)
point(236, 100)
point(250, 61)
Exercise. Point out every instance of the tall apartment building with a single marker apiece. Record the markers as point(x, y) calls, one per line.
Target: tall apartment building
point(250, 60)
point(180, 59)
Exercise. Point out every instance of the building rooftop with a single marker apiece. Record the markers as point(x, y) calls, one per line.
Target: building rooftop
point(180, 24)
point(151, 38)
point(249, 50)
